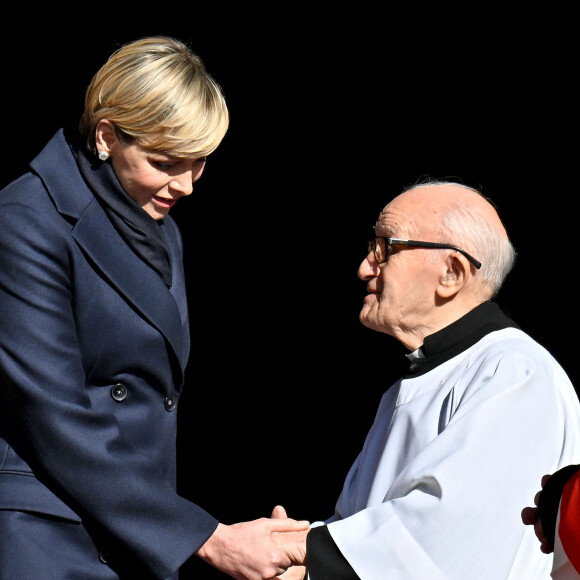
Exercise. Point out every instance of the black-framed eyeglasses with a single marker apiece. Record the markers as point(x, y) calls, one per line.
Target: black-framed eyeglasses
point(381, 248)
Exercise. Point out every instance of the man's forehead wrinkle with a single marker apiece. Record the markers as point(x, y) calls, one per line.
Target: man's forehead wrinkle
point(393, 221)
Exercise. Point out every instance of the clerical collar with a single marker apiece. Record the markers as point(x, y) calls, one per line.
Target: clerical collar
point(457, 337)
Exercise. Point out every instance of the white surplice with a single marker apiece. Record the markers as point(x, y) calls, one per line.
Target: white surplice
point(453, 456)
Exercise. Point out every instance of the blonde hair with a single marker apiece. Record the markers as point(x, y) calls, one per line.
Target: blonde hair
point(156, 90)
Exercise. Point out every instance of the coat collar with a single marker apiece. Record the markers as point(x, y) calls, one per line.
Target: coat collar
point(96, 236)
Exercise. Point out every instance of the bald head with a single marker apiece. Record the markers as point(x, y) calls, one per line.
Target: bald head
point(425, 207)
point(452, 213)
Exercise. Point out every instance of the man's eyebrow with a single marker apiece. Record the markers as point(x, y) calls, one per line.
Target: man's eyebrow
point(386, 231)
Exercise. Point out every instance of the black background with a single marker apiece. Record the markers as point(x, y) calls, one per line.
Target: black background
point(332, 114)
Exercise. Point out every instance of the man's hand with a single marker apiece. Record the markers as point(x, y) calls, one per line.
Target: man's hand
point(296, 549)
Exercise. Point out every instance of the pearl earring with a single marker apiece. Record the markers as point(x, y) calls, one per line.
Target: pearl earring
point(103, 155)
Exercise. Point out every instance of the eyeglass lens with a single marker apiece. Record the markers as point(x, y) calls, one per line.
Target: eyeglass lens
point(379, 248)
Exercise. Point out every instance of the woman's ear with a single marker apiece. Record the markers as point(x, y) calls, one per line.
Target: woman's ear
point(105, 136)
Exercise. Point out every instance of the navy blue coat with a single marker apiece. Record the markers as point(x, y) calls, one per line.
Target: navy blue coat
point(93, 347)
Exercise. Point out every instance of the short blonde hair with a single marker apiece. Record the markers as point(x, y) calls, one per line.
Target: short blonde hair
point(156, 90)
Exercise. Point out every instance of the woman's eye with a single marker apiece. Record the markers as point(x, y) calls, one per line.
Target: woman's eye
point(163, 165)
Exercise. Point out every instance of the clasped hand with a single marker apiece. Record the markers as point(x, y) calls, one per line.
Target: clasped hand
point(293, 544)
point(262, 549)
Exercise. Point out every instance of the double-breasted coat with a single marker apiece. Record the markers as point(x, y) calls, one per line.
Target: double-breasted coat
point(93, 347)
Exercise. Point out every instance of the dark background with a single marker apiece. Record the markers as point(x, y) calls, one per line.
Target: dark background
point(331, 116)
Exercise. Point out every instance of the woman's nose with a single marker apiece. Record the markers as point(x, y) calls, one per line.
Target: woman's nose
point(183, 183)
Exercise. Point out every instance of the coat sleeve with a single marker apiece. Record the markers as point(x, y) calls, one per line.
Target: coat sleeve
point(550, 496)
point(559, 509)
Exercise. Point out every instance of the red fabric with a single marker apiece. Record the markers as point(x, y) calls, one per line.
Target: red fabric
point(569, 528)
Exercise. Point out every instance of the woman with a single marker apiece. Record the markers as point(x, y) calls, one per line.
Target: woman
point(94, 336)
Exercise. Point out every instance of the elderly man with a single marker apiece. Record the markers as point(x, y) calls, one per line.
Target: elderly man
point(436, 492)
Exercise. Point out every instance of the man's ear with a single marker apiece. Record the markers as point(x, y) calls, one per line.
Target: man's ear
point(454, 275)
point(105, 136)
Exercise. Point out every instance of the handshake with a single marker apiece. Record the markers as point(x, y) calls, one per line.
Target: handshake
point(263, 549)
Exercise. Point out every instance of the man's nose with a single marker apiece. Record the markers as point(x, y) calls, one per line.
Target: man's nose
point(369, 268)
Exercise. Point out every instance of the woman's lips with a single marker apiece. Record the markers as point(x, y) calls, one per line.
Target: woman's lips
point(164, 202)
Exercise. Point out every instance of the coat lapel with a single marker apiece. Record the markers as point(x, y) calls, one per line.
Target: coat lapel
point(132, 278)
point(97, 237)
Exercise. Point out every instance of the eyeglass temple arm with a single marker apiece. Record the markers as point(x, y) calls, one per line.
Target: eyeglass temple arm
point(473, 260)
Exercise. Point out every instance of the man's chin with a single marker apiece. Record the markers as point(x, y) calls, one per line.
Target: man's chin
point(366, 319)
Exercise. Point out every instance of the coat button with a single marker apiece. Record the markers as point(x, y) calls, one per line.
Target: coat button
point(104, 556)
point(170, 403)
point(119, 392)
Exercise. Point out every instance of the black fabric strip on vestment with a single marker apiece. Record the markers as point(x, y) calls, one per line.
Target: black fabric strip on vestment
point(459, 336)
